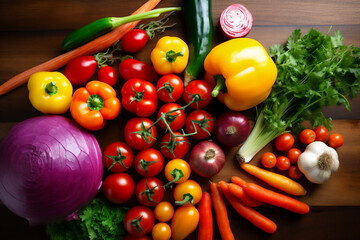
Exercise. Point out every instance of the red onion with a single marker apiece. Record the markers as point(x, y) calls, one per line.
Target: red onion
point(236, 21)
point(231, 128)
point(207, 159)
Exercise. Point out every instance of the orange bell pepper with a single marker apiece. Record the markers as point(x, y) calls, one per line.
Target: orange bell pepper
point(93, 104)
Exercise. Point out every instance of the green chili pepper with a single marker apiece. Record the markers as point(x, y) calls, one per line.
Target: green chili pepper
point(105, 25)
point(199, 25)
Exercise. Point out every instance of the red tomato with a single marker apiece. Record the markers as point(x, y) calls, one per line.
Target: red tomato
point(139, 221)
point(149, 162)
point(282, 163)
point(284, 142)
point(118, 187)
point(170, 88)
point(143, 138)
point(134, 40)
point(149, 191)
point(307, 136)
point(176, 120)
point(268, 160)
point(294, 172)
point(118, 157)
point(202, 122)
point(181, 146)
point(139, 97)
point(293, 155)
point(198, 88)
point(107, 74)
point(80, 69)
point(321, 133)
point(132, 68)
point(335, 140)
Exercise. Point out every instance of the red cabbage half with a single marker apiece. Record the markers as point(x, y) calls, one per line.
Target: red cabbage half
point(49, 169)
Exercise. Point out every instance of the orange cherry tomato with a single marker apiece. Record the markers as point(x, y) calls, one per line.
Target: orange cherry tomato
point(321, 133)
point(164, 211)
point(335, 140)
point(187, 193)
point(178, 170)
point(161, 231)
point(294, 172)
point(307, 136)
point(293, 155)
point(282, 163)
point(268, 160)
point(284, 142)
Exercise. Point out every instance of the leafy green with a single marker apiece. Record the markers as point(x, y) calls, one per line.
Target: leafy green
point(99, 220)
point(314, 71)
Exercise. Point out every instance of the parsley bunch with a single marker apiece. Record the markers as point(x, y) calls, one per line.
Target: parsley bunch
point(315, 70)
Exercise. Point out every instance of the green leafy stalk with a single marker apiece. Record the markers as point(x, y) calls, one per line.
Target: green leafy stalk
point(314, 71)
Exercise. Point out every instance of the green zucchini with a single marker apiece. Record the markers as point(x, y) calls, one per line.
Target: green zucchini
point(105, 25)
point(199, 30)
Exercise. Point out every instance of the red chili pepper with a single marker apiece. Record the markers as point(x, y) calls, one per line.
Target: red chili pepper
point(206, 219)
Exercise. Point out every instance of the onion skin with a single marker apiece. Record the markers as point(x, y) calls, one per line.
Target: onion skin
point(231, 128)
point(207, 159)
point(49, 169)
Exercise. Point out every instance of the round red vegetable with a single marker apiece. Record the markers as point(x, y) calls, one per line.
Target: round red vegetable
point(268, 160)
point(294, 172)
point(136, 135)
point(149, 191)
point(200, 89)
point(170, 88)
point(335, 140)
point(207, 159)
point(236, 21)
point(181, 146)
point(202, 122)
point(132, 68)
point(284, 142)
point(307, 136)
point(139, 221)
point(118, 157)
point(176, 120)
point(149, 162)
point(81, 69)
point(282, 163)
point(118, 187)
point(107, 74)
point(293, 155)
point(321, 133)
point(134, 40)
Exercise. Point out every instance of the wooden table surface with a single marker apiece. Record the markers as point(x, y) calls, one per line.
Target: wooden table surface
point(32, 31)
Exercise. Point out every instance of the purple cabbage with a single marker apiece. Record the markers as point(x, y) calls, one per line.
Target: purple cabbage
point(49, 168)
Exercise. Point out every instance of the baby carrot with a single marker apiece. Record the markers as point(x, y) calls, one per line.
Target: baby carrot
point(96, 45)
point(277, 199)
point(239, 193)
point(237, 180)
point(206, 219)
point(276, 180)
point(248, 213)
point(222, 218)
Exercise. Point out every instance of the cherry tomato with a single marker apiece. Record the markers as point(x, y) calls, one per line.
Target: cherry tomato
point(132, 68)
point(80, 69)
point(187, 193)
point(282, 163)
point(107, 74)
point(149, 191)
point(149, 162)
point(139, 221)
point(177, 118)
point(134, 40)
point(118, 157)
point(294, 172)
point(198, 88)
point(335, 140)
point(268, 160)
point(293, 155)
point(178, 149)
point(201, 122)
point(170, 88)
point(136, 132)
point(139, 97)
point(161, 231)
point(307, 136)
point(284, 142)
point(177, 171)
point(321, 133)
point(164, 211)
point(118, 187)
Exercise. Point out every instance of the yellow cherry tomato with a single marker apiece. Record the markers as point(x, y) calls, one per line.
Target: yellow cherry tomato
point(187, 193)
point(164, 211)
point(161, 231)
point(177, 171)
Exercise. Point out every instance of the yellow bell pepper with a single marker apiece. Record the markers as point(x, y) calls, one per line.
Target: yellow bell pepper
point(50, 92)
point(243, 72)
point(170, 55)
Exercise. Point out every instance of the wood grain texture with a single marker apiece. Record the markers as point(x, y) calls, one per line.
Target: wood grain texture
point(32, 31)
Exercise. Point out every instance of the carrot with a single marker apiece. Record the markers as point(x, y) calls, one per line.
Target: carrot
point(222, 218)
point(277, 199)
point(276, 180)
point(206, 220)
point(248, 213)
point(237, 180)
point(97, 45)
point(239, 193)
